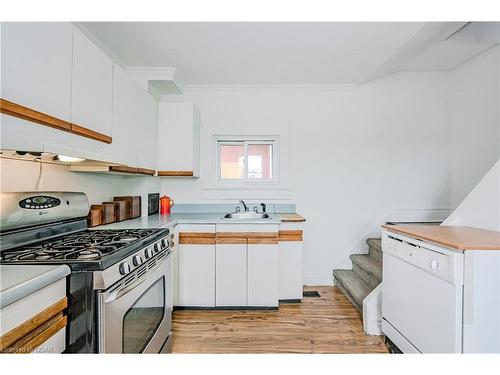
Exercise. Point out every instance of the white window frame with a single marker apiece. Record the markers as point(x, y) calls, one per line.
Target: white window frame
point(246, 140)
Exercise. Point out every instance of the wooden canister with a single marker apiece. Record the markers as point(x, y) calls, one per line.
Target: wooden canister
point(134, 205)
point(121, 209)
point(108, 213)
point(94, 218)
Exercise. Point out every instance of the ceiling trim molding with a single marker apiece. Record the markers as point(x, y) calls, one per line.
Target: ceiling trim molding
point(153, 77)
point(276, 87)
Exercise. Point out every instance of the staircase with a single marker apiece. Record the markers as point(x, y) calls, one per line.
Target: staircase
point(365, 275)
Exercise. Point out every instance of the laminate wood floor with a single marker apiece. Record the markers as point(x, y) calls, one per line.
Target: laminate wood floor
point(329, 324)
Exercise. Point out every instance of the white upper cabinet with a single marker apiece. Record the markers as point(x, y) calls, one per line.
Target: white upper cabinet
point(90, 107)
point(36, 66)
point(147, 131)
point(179, 139)
point(92, 86)
point(125, 118)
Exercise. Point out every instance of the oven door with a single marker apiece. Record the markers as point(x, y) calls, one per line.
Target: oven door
point(135, 316)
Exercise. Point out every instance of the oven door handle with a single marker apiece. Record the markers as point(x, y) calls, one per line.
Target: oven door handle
point(123, 291)
point(120, 293)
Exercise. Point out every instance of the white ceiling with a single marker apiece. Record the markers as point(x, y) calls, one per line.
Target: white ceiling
point(257, 53)
point(277, 53)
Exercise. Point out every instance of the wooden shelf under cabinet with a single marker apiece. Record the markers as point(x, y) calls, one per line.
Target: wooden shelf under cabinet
point(175, 173)
point(132, 170)
point(104, 168)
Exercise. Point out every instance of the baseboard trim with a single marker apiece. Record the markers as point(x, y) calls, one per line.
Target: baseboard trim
point(317, 281)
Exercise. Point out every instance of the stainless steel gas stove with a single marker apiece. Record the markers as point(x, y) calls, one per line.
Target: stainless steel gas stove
point(120, 288)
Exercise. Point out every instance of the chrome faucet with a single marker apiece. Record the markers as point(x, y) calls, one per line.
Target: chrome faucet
point(244, 205)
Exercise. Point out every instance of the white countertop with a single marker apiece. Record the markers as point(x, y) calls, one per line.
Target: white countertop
point(158, 221)
point(18, 281)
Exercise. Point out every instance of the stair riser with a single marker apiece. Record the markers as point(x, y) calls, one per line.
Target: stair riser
point(348, 295)
point(367, 277)
point(375, 252)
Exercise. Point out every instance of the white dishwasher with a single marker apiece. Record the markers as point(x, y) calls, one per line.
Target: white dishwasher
point(422, 295)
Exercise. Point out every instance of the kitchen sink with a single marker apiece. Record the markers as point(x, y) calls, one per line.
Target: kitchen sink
point(246, 215)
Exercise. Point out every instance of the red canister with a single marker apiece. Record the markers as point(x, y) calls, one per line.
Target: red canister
point(165, 204)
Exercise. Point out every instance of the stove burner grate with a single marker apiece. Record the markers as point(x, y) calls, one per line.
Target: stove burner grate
point(81, 246)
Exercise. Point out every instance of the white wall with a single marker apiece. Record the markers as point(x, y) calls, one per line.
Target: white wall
point(481, 207)
point(23, 176)
point(473, 106)
point(353, 155)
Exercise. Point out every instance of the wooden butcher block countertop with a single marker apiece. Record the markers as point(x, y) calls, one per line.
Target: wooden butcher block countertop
point(454, 237)
point(291, 218)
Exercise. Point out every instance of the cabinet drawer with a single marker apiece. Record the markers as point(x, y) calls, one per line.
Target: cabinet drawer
point(15, 314)
point(33, 332)
point(55, 344)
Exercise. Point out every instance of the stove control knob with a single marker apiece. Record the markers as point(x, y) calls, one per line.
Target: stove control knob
point(124, 268)
point(137, 260)
point(157, 247)
point(148, 253)
point(163, 243)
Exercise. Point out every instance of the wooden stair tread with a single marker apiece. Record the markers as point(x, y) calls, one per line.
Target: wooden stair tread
point(369, 264)
point(356, 287)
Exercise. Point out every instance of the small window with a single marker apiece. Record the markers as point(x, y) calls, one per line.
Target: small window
point(246, 160)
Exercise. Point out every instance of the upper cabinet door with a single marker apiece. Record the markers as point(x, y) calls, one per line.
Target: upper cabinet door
point(179, 126)
point(125, 118)
point(147, 131)
point(92, 86)
point(36, 66)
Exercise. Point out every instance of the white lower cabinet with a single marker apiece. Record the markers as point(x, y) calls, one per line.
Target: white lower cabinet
point(290, 270)
point(231, 274)
point(235, 266)
point(262, 271)
point(196, 266)
point(197, 275)
point(17, 319)
point(290, 261)
point(247, 265)
point(246, 275)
